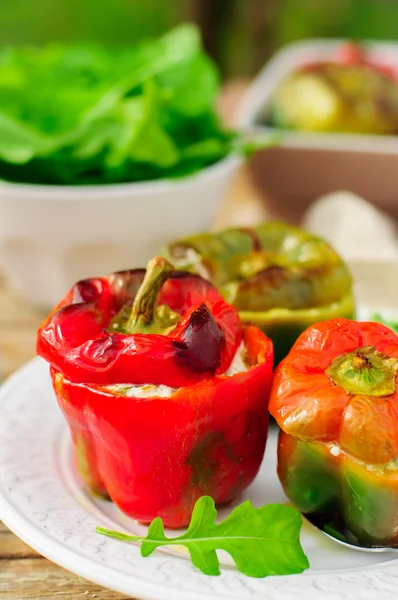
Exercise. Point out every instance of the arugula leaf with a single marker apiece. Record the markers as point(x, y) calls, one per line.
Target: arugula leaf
point(391, 323)
point(262, 541)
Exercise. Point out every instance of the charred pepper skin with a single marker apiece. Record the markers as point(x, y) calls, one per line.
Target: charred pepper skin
point(76, 338)
point(336, 402)
point(155, 456)
point(279, 277)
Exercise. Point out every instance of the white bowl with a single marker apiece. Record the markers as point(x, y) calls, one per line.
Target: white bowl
point(52, 236)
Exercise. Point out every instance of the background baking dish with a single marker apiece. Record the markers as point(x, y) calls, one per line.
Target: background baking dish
point(306, 165)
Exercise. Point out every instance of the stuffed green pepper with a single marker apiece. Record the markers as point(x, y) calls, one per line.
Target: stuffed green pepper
point(279, 277)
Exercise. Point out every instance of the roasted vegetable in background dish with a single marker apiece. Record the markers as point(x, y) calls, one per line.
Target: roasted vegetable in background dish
point(279, 277)
point(335, 399)
point(164, 391)
point(349, 95)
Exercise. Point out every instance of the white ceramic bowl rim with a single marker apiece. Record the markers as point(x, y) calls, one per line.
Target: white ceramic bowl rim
point(75, 192)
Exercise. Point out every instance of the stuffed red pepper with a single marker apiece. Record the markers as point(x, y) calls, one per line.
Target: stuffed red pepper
point(165, 392)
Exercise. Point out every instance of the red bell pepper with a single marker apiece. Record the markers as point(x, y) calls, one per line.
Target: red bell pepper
point(335, 398)
point(203, 434)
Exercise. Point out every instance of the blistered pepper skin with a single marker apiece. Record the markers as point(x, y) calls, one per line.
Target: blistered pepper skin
point(157, 456)
point(76, 337)
point(279, 277)
point(335, 399)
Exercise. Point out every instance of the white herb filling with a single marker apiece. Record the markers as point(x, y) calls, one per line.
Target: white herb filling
point(238, 364)
point(149, 390)
point(194, 259)
point(334, 449)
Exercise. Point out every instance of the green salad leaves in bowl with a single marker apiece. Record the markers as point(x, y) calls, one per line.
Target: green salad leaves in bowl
point(88, 114)
point(105, 155)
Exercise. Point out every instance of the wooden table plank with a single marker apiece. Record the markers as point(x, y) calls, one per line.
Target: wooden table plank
point(40, 579)
point(12, 547)
point(25, 574)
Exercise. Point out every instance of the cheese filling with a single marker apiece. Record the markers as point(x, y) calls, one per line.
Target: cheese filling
point(192, 258)
point(148, 390)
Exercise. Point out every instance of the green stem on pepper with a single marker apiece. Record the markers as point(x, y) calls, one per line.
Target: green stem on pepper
point(144, 316)
point(364, 371)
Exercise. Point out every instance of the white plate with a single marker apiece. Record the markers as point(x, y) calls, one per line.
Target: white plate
point(43, 502)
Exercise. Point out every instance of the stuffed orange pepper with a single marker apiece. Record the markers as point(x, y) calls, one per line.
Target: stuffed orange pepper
point(335, 399)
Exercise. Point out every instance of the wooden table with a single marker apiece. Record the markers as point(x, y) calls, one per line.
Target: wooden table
point(23, 572)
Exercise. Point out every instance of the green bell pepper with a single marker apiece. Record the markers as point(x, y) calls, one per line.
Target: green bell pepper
point(280, 277)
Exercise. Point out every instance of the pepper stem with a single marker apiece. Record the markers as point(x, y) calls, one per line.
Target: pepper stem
point(360, 361)
point(144, 309)
point(365, 371)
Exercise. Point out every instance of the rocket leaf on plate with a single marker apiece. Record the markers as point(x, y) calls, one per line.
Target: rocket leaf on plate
point(262, 541)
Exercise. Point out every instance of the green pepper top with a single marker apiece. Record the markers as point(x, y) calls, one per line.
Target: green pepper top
point(273, 265)
point(280, 277)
